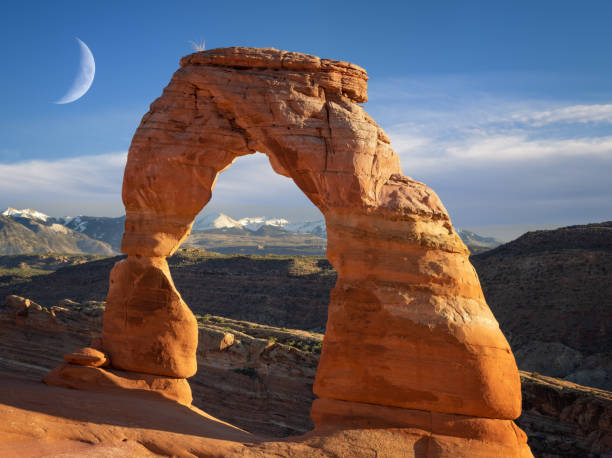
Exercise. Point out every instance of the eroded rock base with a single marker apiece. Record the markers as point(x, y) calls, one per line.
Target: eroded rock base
point(48, 421)
point(443, 434)
point(97, 379)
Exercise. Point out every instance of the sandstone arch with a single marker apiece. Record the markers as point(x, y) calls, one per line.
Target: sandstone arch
point(410, 340)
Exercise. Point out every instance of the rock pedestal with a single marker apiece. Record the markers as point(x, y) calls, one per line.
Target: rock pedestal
point(411, 344)
point(147, 326)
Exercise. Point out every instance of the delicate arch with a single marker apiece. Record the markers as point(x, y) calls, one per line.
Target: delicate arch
point(408, 325)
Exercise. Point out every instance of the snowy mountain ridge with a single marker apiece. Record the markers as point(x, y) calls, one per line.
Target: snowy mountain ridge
point(222, 221)
point(110, 230)
point(25, 213)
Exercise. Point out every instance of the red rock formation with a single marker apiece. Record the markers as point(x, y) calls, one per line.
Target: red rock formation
point(147, 326)
point(84, 377)
point(87, 356)
point(410, 340)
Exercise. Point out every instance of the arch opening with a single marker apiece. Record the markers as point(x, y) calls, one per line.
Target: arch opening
point(290, 255)
point(251, 188)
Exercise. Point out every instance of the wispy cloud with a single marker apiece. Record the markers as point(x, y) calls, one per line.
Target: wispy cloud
point(496, 158)
point(521, 148)
point(92, 184)
point(251, 180)
point(81, 178)
point(582, 114)
point(420, 154)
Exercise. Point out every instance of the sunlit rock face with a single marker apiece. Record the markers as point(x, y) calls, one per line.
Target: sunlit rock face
point(410, 341)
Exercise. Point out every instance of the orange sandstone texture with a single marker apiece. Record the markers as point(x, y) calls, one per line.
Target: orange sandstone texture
point(87, 356)
point(100, 380)
point(409, 331)
point(147, 326)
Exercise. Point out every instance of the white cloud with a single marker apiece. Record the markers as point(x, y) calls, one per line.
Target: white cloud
point(251, 180)
point(521, 148)
point(472, 137)
point(80, 178)
point(502, 160)
point(581, 114)
point(423, 159)
point(91, 185)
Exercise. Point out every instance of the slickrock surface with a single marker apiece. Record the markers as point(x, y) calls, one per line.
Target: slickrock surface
point(40, 420)
point(52, 421)
point(408, 325)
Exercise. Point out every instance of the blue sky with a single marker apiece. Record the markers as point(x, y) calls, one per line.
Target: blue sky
point(504, 108)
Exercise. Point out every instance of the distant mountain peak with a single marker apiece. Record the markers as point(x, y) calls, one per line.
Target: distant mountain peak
point(25, 213)
point(30, 231)
point(255, 223)
point(478, 243)
point(216, 221)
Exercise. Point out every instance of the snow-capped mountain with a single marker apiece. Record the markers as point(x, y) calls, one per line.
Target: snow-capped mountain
point(317, 228)
point(215, 221)
point(30, 231)
point(40, 232)
point(256, 222)
point(25, 213)
point(222, 221)
point(104, 228)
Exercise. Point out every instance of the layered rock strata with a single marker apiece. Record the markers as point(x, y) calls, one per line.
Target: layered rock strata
point(409, 331)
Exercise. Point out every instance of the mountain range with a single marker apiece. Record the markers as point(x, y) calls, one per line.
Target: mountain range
point(30, 231)
point(221, 221)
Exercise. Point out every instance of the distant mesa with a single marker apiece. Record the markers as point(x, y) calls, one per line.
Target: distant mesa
point(551, 292)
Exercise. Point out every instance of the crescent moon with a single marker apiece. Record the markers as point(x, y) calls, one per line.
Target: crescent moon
point(83, 80)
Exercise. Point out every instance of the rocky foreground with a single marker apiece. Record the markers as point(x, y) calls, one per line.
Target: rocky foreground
point(255, 377)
